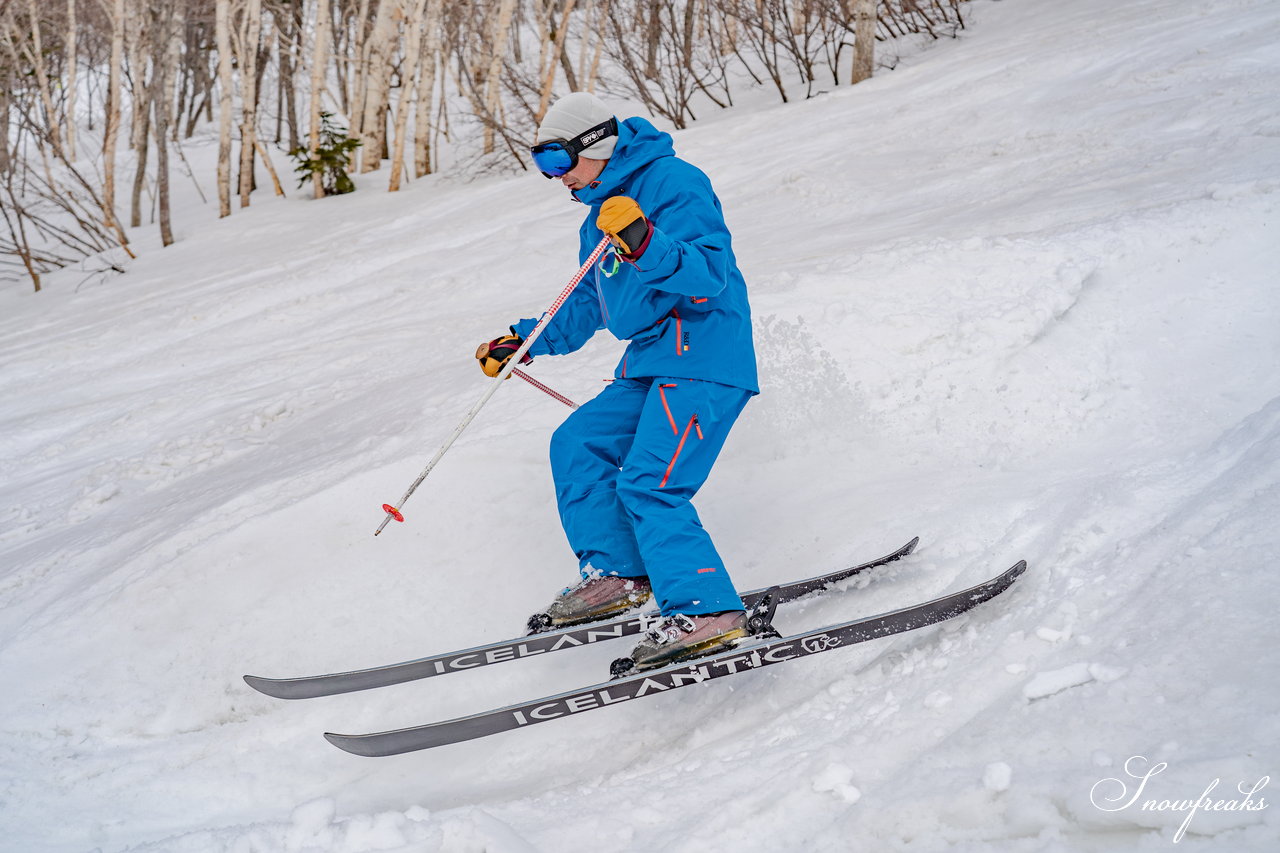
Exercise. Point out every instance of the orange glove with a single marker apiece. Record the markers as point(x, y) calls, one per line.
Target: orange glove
point(494, 355)
point(624, 222)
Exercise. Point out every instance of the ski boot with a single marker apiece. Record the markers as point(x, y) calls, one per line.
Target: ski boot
point(591, 600)
point(679, 638)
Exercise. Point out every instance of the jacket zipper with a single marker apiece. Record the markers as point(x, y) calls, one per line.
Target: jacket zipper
point(662, 391)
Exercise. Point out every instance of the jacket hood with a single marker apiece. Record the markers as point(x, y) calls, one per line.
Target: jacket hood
point(639, 144)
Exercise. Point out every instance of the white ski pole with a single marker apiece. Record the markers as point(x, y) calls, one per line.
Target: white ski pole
point(394, 511)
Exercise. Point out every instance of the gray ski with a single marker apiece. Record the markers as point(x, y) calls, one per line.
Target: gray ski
point(644, 684)
point(311, 686)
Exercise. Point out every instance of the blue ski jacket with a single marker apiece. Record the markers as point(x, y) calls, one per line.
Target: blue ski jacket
point(683, 305)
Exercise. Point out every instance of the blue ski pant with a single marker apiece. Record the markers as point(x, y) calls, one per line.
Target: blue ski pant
point(626, 466)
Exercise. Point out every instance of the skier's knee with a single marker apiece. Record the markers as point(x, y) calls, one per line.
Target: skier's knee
point(640, 490)
point(566, 446)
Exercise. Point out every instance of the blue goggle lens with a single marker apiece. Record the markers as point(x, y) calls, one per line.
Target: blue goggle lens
point(552, 159)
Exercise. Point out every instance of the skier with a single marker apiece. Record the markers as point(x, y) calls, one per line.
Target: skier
point(627, 464)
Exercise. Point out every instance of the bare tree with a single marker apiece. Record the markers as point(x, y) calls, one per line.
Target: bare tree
point(142, 69)
point(250, 35)
point(497, 64)
point(755, 42)
point(112, 125)
point(167, 22)
point(597, 14)
point(359, 67)
point(223, 33)
point(143, 96)
point(51, 213)
point(553, 26)
point(493, 78)
point(35, 54)
point(405, 103)
point(319, 60)
point(380, 53)
point(864, 40)
point(427, 63)
point(655, 46)
point(289, 46)
point(72, 63)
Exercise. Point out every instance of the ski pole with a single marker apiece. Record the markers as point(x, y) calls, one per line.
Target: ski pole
point(550, 392)
point(394, 511)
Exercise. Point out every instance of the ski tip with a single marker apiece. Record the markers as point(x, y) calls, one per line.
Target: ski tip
point(1011, 574)
point(356, 745)
point(910, 546)
point(262, 685)
point(340, 741)
point(273, 687)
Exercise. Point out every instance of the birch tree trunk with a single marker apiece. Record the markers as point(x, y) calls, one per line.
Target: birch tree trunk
point(249, 96)
point(288, 50)
point(164, 52)
point(138, 41)
point(296, 47)
point(584, 43)
point(559, 30)
point(111, 131)
point(380, 51)
point(545, 18)
point(864, 39)
point(430, 50)
point(222, 26)
point(359, 62)
point(39, 64)
point(72, 50)
point(270, 167)
point(596, 33)
point(319, 61)
point(413, 51)
point(493, 80)
point(5, 162)
point(143, 94)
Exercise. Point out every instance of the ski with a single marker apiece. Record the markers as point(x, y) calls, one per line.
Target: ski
point(637, 686)
point(308, 687)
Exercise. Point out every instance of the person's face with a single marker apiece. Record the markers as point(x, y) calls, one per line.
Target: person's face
point(583, 174)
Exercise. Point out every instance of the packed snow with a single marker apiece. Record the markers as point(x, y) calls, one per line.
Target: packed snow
point(1017, 296)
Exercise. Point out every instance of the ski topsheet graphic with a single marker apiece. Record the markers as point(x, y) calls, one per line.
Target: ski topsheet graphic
point(743, 659)
point(308, 687)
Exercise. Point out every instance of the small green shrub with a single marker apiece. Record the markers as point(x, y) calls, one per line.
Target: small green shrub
point(332, 157)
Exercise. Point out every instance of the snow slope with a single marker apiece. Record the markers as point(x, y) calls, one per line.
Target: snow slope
point(1017, 296)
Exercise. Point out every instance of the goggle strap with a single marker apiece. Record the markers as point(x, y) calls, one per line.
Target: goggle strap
point(580, 143)
point(603, 130)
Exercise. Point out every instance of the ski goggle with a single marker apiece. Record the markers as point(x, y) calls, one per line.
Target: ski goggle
point(558, 156)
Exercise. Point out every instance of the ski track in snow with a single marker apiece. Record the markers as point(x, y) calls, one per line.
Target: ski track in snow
point(1017, 296)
